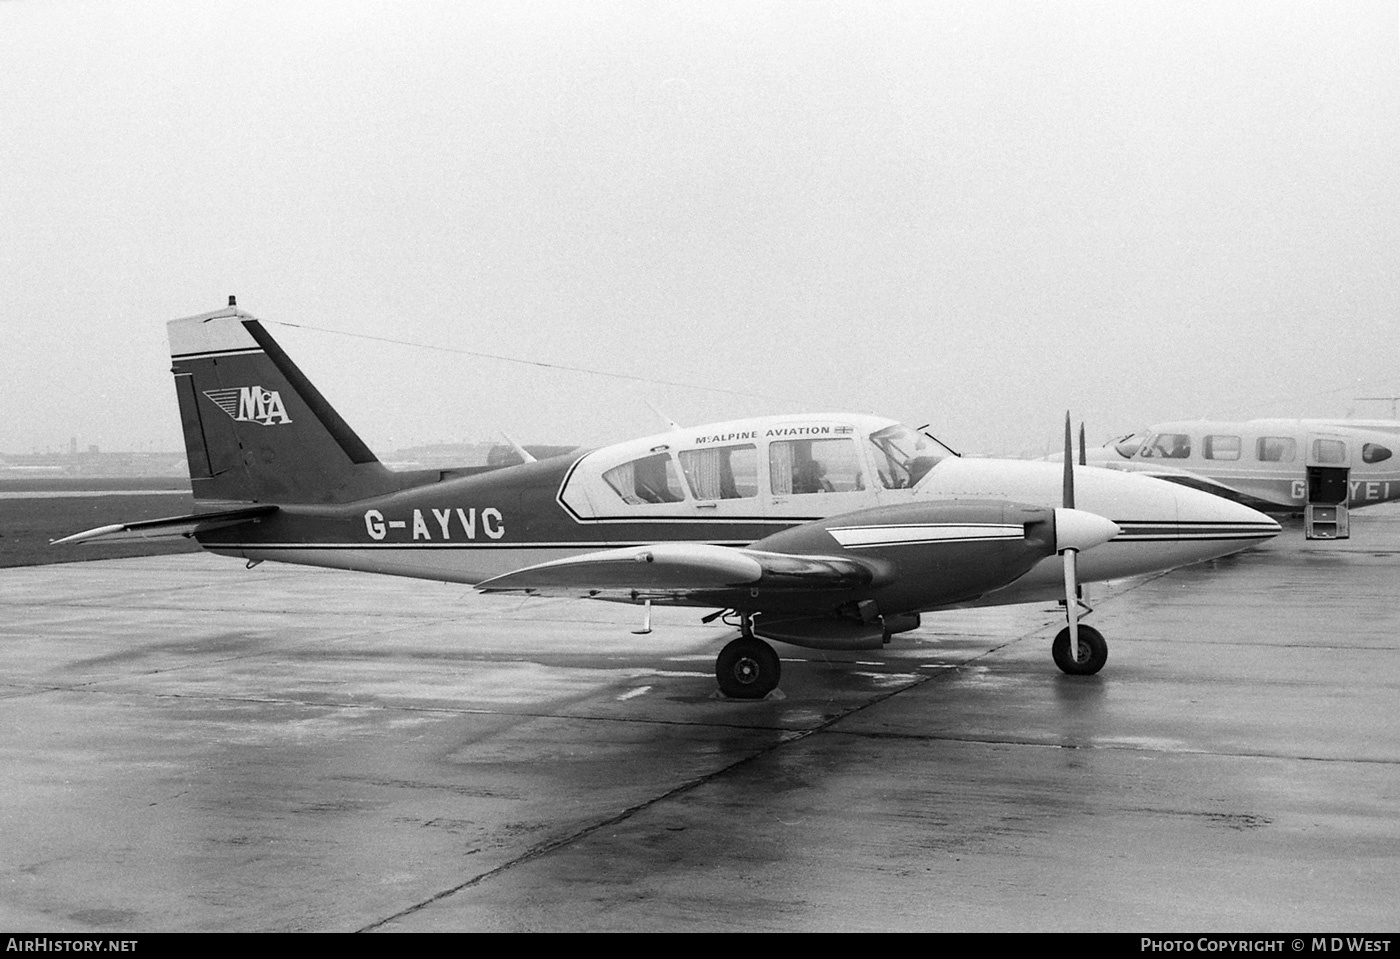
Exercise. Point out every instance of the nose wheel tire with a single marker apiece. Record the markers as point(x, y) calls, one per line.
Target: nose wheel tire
point(747, 668)
point(1093, 652)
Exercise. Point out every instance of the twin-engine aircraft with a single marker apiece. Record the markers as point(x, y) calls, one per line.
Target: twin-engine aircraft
point(1320, 468)
point(831, 531)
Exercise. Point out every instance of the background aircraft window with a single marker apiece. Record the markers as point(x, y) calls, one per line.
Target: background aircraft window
point(721, 472)
point(1129, 445)
point(1276, 449)
point(1374, 453)
point(1221, 447)
point(814, 466)
point(1172, 446)
point(1329, 451)
point(903, 456)
point(651, 479)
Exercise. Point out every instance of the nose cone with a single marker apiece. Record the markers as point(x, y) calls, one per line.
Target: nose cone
point(1076, 529)
point(1206, 517)
point(1160, 514)
point(1163, 525)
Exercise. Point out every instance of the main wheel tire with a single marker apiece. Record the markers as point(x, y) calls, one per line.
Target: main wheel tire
point(747, 668)
point(1093, 652)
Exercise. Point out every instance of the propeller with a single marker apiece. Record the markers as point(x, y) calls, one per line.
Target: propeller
point(520, 451)
point(1076, 531)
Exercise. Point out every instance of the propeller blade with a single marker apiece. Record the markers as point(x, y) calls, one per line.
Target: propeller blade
point(1083, 457)
point(1069, 466)
point(1072, 603)
point(1076, 530)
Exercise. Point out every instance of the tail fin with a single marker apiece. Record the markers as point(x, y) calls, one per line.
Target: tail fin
point(255, 428)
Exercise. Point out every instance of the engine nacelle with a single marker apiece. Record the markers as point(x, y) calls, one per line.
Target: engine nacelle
point(923, 555)
point(822, 632)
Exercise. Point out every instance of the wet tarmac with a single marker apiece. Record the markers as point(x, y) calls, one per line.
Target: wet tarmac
point(190, 745)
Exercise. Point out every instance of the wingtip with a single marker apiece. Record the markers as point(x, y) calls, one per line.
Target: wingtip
point(86, 535)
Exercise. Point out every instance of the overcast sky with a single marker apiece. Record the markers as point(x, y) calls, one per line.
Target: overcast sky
point(975, 215)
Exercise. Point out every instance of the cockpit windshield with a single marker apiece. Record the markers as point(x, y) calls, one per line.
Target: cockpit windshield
point(904, 456)
point(1128, 446)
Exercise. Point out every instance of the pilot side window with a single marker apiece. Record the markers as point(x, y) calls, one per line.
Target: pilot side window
point(1221, 447)
point(902, 457)
point(1172, 446)
point(814, 466)
point(1374, 453)
point(1276, 449)
point(1329, 451)
point(721, 472)
point(651, 479)
point(1129, 445)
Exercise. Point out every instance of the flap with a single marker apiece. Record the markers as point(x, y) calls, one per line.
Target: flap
point(676, 569)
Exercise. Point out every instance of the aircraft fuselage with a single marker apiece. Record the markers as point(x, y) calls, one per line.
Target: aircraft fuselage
point(729, 484)
point(1266, 463)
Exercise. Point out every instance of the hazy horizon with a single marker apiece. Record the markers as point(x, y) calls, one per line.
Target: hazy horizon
point(973, 215)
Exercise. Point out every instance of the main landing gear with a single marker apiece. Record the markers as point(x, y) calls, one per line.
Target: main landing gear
point(747, 668)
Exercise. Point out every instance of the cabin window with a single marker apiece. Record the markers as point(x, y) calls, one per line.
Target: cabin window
point(721, 472)
point(1329, 451)
point(651, 479)
point(1172, 446)
point(1374, 453)
point(814, 466)
point(1276, 449)
point(1221, 447)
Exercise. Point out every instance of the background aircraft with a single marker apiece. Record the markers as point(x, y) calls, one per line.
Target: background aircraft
point(1320, 468)
point(830, 531)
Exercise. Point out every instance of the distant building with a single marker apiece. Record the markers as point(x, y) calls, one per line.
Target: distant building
point(94, 462)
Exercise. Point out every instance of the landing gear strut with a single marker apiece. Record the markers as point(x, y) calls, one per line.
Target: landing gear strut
point(747, 668)
point(1093, 651)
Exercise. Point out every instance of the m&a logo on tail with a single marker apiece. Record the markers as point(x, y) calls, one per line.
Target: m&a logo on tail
point(251, 404)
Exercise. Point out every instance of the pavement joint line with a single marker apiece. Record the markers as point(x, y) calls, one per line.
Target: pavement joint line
point(1112, 746)
point(561, 842)
point(682, 789)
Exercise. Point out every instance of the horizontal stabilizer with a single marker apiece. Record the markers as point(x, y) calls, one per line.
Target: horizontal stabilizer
point(676, 569)
point(171, 526)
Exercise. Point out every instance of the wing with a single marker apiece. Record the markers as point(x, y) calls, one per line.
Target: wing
point(676, 571)
point(171, 526)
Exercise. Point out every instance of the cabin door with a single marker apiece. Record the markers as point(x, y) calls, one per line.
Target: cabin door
point(1329, 480)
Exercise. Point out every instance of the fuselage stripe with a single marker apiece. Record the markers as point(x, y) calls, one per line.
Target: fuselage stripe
point(610, 544)
point(865, 537)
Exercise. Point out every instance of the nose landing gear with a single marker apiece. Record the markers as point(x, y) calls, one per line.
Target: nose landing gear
point(1093, 652)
